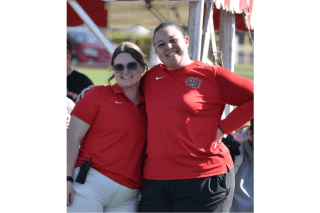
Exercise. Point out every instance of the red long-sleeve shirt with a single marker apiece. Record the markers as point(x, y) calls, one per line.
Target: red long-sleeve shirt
point(184, 109)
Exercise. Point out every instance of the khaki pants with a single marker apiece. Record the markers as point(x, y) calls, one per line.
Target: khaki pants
point(101, 194)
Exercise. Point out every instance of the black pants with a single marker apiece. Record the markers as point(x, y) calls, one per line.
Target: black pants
point(211, 194)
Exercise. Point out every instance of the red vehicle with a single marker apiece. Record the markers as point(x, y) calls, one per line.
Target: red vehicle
point(87, 50)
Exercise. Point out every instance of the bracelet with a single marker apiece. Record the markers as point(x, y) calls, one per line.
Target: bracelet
point(69, 178)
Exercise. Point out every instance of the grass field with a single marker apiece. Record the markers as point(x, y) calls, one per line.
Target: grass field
point(100, 76)
point(245, 70)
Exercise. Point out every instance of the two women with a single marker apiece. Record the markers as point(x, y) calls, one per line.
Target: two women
point(187, 168)
point(111, 125)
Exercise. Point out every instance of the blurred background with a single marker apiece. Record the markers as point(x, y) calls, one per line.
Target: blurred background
point(135, 21)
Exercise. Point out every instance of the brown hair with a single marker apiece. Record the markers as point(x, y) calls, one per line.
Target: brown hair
point(133, 50)
point(170, 24)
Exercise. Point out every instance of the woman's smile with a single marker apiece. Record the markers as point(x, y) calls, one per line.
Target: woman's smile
point(126, 77)
point(171, 53)
point(172, 48)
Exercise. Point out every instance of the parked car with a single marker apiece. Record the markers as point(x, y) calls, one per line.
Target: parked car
point(87, 50)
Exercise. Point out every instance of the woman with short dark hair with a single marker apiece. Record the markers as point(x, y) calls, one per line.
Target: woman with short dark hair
point(187, 167)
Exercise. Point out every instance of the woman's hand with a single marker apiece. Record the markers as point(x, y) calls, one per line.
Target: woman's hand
point(70, 193)
point(237, 134)
point(81, 95)
point(72, 94)
point(240, 129)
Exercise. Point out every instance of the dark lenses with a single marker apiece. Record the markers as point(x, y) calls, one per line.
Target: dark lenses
point(131, 66)
point(118, 67)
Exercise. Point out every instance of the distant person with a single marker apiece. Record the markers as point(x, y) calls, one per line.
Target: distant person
point(76, 81)
point(241, 149)
point(111, 124)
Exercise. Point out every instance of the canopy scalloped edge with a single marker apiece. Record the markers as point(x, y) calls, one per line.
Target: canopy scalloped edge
point(237, 6)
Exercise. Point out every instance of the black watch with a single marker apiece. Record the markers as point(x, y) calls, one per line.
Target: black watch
point(69, 178)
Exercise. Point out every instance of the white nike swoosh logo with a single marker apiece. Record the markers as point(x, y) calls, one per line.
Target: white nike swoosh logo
point(118, 102)
point(157, 78)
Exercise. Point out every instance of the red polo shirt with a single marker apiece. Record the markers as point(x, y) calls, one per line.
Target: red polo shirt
point(117, 134)
point(184, 109)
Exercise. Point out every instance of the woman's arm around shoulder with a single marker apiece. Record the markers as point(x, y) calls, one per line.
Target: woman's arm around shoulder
point(83, 92)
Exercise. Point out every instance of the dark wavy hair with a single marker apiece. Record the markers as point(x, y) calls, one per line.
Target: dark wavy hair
point(133, 50)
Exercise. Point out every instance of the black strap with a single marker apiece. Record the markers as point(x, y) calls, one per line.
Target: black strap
point(69, 178)
point(232, 145)
point(230, 142)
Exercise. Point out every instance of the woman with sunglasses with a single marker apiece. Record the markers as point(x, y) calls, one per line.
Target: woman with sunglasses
point(111, 125)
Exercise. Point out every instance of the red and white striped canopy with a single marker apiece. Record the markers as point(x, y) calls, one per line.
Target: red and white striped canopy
point(237, 6)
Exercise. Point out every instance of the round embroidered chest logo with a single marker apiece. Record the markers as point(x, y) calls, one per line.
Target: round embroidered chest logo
point(193, 82)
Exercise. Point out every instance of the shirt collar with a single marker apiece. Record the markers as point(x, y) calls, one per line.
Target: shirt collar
point(118, 90)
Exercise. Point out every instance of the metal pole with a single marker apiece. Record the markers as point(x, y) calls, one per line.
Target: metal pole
point(195, 28)
point(227, 43)
point(156, 15)
point(149, 7)
point(93, 27)
point(206, 30)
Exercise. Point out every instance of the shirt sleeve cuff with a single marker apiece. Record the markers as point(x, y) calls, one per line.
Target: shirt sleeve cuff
point(224, 128)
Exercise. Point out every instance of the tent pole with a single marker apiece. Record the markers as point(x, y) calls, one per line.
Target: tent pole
point(227, 44)
point(93, 27)
point(195, 28)
point(206, 30)
point(212, 35)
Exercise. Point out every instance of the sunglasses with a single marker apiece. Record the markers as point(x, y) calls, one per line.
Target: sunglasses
point(131, 66)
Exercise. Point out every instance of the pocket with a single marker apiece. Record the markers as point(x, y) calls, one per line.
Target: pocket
point(222, 181)
point(217, 184)
point(230, 180)
point(75, 173)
